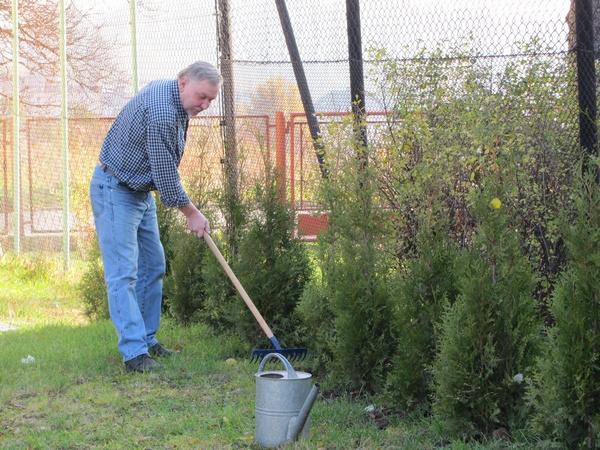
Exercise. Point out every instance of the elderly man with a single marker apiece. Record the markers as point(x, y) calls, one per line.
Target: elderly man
point(141, 153)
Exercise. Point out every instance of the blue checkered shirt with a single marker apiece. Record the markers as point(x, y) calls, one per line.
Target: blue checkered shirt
point(144, 145)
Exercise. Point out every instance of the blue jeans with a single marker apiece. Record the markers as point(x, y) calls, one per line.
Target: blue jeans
point(134, 260)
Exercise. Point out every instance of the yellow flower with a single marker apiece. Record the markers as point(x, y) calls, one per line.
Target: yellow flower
point(495, 203)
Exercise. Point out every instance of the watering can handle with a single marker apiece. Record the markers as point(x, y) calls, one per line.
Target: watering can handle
point(290, 370)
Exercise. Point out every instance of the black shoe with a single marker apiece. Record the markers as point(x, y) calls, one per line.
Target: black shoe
point(159, 351)
point(142, 363)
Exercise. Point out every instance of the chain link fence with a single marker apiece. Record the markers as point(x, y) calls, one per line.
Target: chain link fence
point(115, 46)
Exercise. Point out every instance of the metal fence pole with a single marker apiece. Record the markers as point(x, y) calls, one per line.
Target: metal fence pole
point(586, 76)
point(357, 81)
point(134, 57)
point(16, 126)
point(64, 122)
point(309, 109)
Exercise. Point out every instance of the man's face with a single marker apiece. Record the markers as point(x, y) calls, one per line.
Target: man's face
point(196, 95)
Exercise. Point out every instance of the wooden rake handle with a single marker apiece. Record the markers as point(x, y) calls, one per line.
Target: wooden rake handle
point(259, 318)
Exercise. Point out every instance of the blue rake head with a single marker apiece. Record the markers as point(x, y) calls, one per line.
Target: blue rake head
point(292, 354)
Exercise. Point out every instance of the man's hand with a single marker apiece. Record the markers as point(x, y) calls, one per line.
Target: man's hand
point(196, 222)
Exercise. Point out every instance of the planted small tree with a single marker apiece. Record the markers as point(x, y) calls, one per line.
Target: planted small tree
point(93, 287)
point(422, 293)
point(566, 389)
point(185, 284)
point(317, 323)
point(272, 265)
point(355, 267)
point(221, 308)
point(170, 230)
point(490, 336)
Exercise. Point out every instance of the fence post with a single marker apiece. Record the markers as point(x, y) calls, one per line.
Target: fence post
point(64, 120)
point(15, 129)
point(228, 128)
point(586, 76)
point(133, 37)
point(280, 154)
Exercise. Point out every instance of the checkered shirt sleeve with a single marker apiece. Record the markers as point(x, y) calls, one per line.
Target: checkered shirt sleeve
point(145, 143)
point(162, 147)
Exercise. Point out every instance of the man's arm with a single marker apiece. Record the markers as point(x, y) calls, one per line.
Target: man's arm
point(196, 221)
point(162, 155)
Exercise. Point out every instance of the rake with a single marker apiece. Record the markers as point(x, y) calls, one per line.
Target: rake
point(257, 353)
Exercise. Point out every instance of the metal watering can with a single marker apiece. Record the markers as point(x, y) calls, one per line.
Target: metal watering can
point(283, 402)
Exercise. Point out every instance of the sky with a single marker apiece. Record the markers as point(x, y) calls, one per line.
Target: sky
point(173, 33)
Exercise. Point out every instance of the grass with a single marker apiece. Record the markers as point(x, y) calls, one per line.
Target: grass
point(77, 395)
point(35, 291)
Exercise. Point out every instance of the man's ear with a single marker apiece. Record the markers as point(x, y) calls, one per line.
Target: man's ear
point(183, 81)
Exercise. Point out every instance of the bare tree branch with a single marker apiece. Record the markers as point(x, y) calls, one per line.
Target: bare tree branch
point(90, 55)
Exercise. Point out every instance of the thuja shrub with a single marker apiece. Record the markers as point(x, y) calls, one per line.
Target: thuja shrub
point(170, 225)
point(169, 222)
point(566, 388)
point(423, 291)
point(355, 267)
point(317, 325)
point(273, 266)
point(221, 308)
point(490, 336)
point(185, 253)
point(185, 285)
point(93, 287)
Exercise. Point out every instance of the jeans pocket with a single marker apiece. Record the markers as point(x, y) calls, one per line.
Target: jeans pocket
point(97, 199)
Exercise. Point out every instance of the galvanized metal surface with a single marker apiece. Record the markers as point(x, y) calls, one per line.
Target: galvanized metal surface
point(283, 402)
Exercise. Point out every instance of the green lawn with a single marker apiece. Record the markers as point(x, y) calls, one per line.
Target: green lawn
point(76, 395)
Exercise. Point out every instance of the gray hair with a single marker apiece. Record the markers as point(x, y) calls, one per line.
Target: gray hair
point(201, 70)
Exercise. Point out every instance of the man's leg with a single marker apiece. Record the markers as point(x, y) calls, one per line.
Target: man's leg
point(151, 271)
point(118, 212)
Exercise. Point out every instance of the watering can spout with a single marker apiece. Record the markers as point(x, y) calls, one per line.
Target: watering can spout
point(297, 423)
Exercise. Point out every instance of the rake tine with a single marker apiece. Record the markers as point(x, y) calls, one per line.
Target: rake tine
point(292, 354)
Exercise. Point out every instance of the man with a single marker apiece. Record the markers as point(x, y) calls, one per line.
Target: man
point(141, 153)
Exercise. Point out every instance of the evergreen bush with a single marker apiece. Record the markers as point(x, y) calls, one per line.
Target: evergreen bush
point(355, 266)
point(93, 287)
point(273, 266)
point(566, 388)
point(423, 292)
point(490, 336)
point(222, 305)
point(168, 224)
point(184, 287)
point(317, 326)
